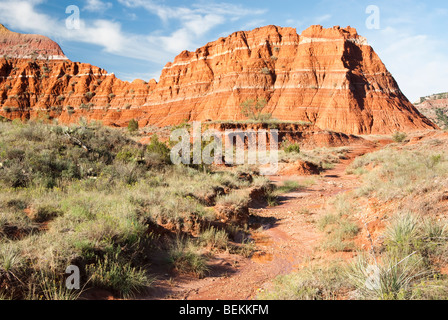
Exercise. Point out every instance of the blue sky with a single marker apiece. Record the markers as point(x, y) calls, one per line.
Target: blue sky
point(136, 38)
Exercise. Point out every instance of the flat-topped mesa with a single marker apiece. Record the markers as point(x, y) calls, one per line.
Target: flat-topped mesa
point(330, 77)
point(28, 46)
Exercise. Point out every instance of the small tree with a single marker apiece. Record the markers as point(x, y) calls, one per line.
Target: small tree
point(253, 109)
point(159, 148)
point(133, 126)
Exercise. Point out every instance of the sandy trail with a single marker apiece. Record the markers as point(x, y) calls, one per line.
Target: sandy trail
point(286, 239)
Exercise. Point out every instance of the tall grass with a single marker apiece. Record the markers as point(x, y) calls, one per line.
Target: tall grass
point(119, 276)
point(185, 257)
point(391, 279)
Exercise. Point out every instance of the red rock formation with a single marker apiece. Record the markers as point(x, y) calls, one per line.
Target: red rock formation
point(28, 46)
point(330, 77)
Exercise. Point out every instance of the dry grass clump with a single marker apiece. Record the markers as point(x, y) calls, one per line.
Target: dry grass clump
point(313, 282)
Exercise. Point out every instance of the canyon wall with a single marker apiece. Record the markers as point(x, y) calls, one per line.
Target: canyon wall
point(329, 77)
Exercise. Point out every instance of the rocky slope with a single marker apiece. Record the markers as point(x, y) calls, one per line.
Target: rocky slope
point(330, 77)
point(435, 108)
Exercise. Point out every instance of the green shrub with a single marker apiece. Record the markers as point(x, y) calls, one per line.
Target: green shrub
point(45, 213)
point(292, 148)
point(158, 148)
point(133, 126)
point(70, 110)
point(399, 137)
point(235, 199)
point(89, 95)
point(252, 109)
point(442, 118)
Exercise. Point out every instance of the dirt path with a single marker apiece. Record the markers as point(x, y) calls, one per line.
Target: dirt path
point(286, 239)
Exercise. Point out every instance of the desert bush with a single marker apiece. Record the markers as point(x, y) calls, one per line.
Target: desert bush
point(442, 118)
point(70, 110)
point(158, 149)
point(132, 126)
point(252, 109)
point(89, 95)
point(12, 266)
point(399, 137)
point(338, 227)
point(45, 213)
point(292, 148)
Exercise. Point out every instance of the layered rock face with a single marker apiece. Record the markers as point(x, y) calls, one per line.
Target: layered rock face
point(28, 46)
point(435, 108)
point(330, 77)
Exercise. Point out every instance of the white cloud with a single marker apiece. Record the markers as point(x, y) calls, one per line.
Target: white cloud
point(97, 6)
point(194, 21)
point(418, 62)
point(23, 16)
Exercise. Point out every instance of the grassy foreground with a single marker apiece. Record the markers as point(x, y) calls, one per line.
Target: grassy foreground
point(404, 194)
point(90, 196)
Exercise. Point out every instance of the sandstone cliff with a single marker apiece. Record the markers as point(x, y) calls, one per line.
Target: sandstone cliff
point(330, 77)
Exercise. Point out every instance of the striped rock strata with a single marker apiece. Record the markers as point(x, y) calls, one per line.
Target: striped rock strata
point(330, 77)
